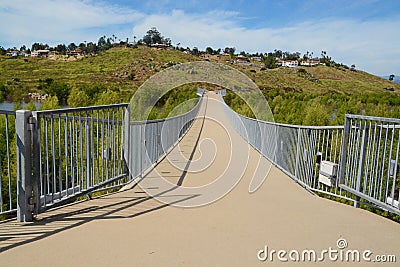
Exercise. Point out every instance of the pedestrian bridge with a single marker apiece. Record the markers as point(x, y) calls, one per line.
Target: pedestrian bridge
point(199, 198)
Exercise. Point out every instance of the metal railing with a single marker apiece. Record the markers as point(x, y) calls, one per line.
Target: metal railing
point(356, 162)
point(297, 150)
point(69, 153)
point(370, 158)
point(77, 151)
point(64, 154)
point(149, 141)
point(8, 180)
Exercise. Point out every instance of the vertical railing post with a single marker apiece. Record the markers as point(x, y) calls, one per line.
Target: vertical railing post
point(88, 154)
point(142, 144)
point(296, 170)
point(36, 161)
point(343, 152)
point(127, 142)
point(361, 164)
point(24, 166)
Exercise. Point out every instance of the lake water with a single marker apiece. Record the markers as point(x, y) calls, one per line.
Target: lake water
point(10, 105)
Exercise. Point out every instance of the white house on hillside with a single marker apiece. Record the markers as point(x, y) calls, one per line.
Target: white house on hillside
point(40, 53)
point(288, 63)
point(311, 62)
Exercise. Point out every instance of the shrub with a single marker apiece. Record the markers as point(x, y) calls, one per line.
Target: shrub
point(78, 98)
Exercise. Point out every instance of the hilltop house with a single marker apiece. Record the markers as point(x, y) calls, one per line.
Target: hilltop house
point(157, 45)
point(12, 54)
point(311, 62)
point(241, 60)
point(40, 53)
point(259, 59)
point(288, 63)
point(16, 53)
point(76, 52)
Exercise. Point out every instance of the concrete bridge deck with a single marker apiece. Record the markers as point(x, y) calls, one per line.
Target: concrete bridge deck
point(131, 228)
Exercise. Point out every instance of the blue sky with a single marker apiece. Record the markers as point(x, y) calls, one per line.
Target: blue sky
point(360, 32)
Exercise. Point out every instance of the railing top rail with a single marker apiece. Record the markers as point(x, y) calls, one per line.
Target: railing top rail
point(372, 118)
point(7, 112)
point(300, 126)
point(290, 125)
point(81, 109)
point(166, 119)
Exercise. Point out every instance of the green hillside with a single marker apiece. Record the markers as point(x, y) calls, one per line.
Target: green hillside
point(306, 95)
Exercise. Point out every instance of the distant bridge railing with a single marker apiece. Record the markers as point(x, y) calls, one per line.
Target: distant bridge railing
point(149, 141)
point(348, 162)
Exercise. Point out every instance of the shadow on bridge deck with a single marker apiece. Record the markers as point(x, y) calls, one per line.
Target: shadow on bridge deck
point(131, 228)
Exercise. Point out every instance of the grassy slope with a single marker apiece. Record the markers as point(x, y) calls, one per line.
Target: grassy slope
point(125, 69)
point(330, 80)
point(112, 67)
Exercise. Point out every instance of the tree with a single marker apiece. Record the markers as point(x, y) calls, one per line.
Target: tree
point(72, 46)
point(277, 53)
point(50, 103)
point(195, 51)
point(59, 89)
point(61, 48)
point(210, 51)
point(78, 98)
point(108, 97)
point(153, 36)
point(82, 46)
point(102, 41)
point(229, 50)
point(30, 106)
point(91, 48)
point(3, 92)
point(325, 58)
point(316, 115)
point(167, 41)
point(306, 56)
point(37, 46)
point(91, 90)
point(291, 56)
point(270, 62)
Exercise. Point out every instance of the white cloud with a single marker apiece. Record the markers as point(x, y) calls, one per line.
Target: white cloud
point(56, 21)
